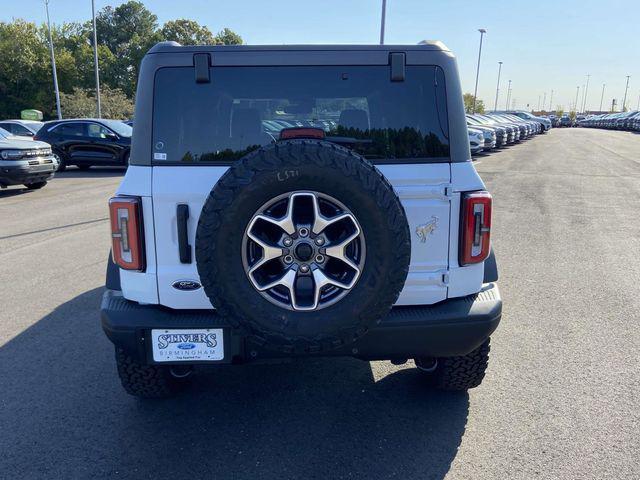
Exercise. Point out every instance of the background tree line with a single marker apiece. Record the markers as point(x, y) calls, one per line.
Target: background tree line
point(124, 33)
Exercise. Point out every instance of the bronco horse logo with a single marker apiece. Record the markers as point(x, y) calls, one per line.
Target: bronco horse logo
point(426, 229)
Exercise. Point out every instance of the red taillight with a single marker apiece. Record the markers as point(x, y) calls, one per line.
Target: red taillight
point(475, 243)
point(126, 232)
point(301, 132)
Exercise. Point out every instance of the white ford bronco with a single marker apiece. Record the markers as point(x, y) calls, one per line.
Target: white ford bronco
point(299, 201)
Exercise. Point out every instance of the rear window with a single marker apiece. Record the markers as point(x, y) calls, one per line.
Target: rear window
point(243, 108)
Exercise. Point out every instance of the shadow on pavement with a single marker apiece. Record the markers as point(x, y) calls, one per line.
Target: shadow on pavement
point(64, 415)
point(14, 190)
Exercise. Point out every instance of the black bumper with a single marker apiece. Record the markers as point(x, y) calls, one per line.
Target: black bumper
point(21, 175)
point(452, 327)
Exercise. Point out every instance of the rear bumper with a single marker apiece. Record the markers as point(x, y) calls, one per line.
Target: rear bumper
point(452, 327)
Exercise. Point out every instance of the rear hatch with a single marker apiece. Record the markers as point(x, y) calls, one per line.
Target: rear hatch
point(202, 125)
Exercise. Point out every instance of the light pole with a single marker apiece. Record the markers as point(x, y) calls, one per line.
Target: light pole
point(544, 101)
point(586, 90)
point(475, 92)
point(581, 99)
point(624, 102)
point(602, 96)
point(495, 105)
point(576, 103)
point(95, 59)
point(551, 101)
point(538, 104)
point(53, 62)
point(506, 107)
point(382, 21)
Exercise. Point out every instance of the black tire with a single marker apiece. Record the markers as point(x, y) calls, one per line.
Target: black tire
point(35, 185)
point(146, 381)
point(459, 373)
point(292, 166)
point(84, 168)
point(62, 161)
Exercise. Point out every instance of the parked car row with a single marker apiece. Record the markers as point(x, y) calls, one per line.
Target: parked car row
point(31, 151)
point(499, 129)
point(613, 121)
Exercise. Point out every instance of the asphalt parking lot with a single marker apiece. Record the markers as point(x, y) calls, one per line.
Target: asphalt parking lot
point(561, 398)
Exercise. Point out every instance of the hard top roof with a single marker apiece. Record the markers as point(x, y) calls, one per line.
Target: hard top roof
point(175, 47)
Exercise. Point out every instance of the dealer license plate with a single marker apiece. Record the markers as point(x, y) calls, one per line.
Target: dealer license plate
point(187, 345)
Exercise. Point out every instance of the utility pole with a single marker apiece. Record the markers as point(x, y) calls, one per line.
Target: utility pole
point(624, 102)
point(475, 92)
point(495, 105)
point(602, 96)
point(382, 21)
point(53, 63)
point(551, 101)
point(581, 99)
point(538, 109)
point(638, 106)
point(544, 102)
point(586, 90)
point(506, 107)
point(95, 59)
point(576, 104)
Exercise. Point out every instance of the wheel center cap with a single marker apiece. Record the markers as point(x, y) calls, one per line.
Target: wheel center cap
point(304, 252)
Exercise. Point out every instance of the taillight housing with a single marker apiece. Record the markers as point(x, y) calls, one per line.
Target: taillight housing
point(127, 232)
point(475, 239)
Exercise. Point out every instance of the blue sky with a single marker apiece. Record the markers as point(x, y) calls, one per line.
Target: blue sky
point(544, 44)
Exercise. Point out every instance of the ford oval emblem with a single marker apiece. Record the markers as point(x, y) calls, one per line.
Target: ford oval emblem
point(186, 346)
point(186, 285)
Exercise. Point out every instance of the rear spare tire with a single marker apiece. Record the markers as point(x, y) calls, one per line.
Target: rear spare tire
point(303, 243)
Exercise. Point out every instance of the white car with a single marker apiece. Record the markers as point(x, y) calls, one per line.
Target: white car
point(21, 128)
point(476, 140)
point(25, 162)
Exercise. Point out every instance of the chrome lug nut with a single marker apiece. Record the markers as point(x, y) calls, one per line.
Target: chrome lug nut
point(288, 259)
point(319, 258)
point(304, 268)
point(287, 242)
point(303, 232)
point(319, 241)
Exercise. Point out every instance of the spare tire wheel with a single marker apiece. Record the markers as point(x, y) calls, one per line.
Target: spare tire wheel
point(305, 244)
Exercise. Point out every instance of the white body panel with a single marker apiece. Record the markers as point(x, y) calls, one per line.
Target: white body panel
point(428, 192)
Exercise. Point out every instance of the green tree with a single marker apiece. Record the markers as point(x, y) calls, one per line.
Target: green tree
point(82, 103)
point(125, 34)
point(187, 32)
point(129, 31)
point(468, 104)
point(24, 70)
point(227, 37)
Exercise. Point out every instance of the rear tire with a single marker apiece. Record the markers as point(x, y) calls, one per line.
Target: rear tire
point(147, 381)
point(458, 373)
point(35, 185)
